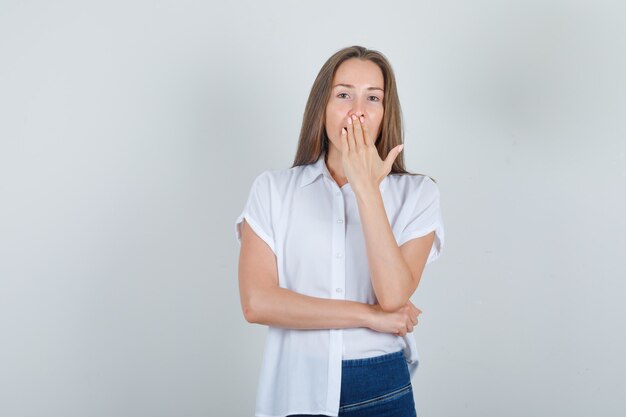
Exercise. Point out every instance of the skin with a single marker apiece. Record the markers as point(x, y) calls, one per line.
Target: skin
point(349, 159)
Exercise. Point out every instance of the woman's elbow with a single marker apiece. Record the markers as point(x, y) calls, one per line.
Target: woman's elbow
point(390, 306)
point(252, 309)
point(249, 314)
point(257, 303)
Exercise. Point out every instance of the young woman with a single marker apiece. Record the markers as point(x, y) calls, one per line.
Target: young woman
point(333, 247)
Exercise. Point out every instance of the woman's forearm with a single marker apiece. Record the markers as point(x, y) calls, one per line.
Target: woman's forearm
point(281, 307)
point(392, 280)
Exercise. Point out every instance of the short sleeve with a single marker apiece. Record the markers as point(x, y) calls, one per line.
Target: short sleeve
point(257, 211)
point(425, 216)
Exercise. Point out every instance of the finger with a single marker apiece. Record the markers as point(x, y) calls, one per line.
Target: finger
point(344, 141)
point(391, 157)
point(414, 308)
point(366, 133)
point(358, 132)
point(350, 128)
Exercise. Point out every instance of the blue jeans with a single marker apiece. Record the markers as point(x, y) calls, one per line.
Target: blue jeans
point(379, 386)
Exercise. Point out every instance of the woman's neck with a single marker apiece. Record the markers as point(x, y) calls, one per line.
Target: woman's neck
point(335, 167)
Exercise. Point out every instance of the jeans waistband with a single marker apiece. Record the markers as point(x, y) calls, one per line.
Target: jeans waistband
point(374, 359)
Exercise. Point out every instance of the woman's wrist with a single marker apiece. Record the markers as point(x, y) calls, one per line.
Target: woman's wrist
point(366, 315)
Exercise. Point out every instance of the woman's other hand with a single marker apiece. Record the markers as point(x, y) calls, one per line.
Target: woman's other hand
point(399, 322)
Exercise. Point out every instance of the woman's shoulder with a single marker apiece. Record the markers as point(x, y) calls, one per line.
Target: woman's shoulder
point(412, 191)
point(281, 178)
point(411, 182)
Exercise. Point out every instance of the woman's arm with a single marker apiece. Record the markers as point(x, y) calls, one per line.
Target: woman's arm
point(280, 307)
point(395, 271)
point(264, 302)
point(392, 279)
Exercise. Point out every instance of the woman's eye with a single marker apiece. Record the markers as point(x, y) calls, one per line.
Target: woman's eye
point(376, 99)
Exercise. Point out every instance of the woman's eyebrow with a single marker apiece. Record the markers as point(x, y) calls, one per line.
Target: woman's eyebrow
point(351, 86)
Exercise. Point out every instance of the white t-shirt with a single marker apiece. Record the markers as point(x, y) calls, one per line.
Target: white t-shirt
point(313, 227)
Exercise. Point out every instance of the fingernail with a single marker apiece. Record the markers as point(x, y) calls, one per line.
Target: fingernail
point(349, 120)
point(362, 119)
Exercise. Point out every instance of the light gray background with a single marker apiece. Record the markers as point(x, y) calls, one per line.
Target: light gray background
point(130, 134)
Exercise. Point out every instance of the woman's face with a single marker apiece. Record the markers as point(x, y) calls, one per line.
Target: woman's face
point(357, 88)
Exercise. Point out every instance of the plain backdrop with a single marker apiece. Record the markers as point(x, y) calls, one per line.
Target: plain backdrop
point(131, 131)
